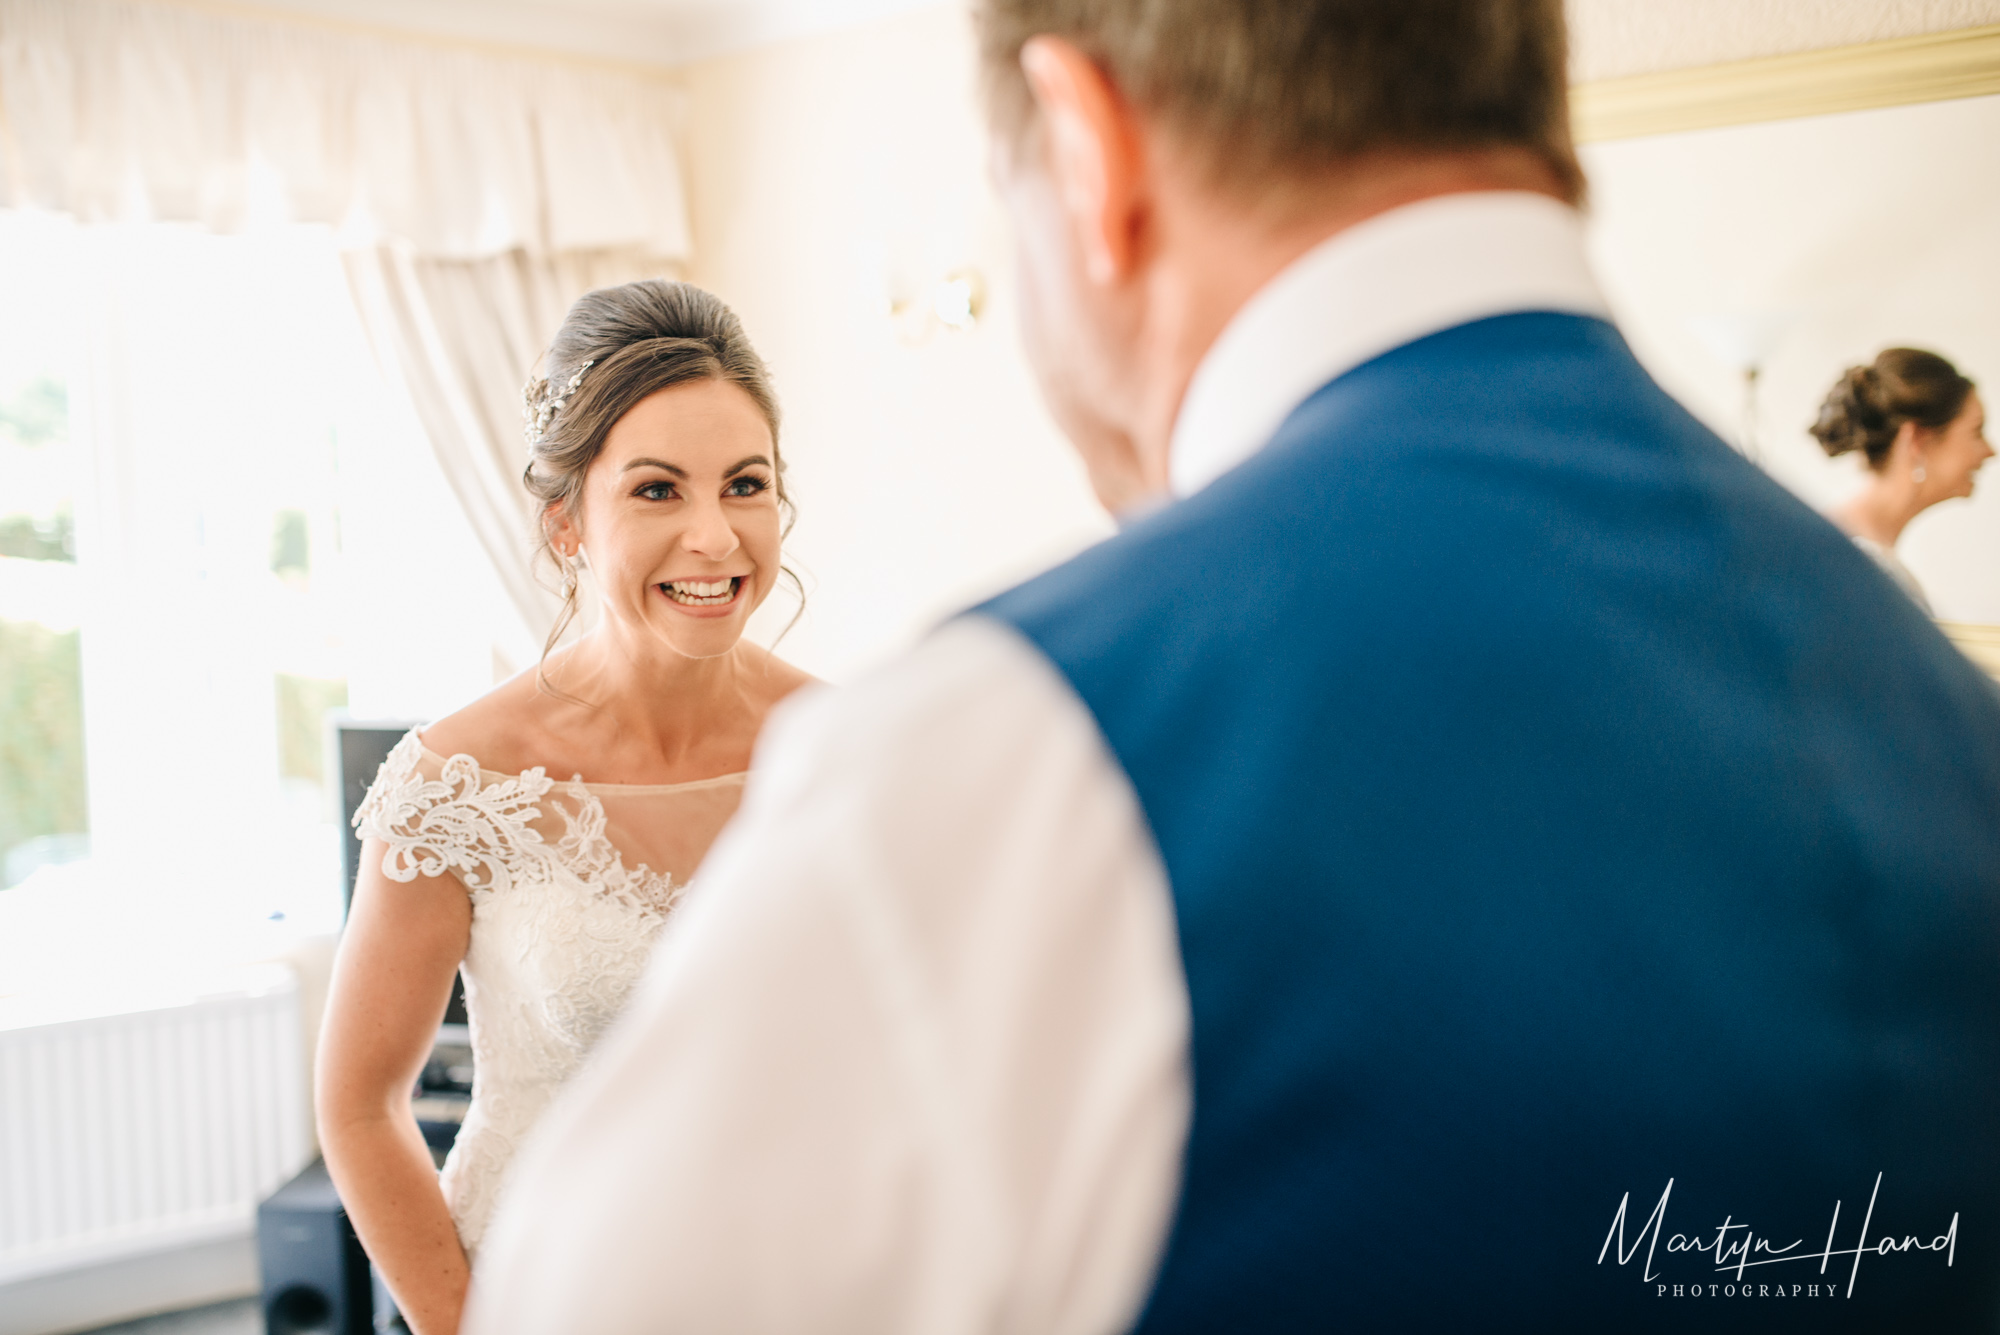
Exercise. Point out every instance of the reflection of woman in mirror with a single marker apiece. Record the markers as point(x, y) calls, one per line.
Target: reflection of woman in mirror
point(1923, 432)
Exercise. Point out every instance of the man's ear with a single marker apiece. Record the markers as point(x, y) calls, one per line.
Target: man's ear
point(1095, 156)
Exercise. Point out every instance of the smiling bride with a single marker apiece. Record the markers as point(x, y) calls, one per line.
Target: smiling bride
point(654, 461)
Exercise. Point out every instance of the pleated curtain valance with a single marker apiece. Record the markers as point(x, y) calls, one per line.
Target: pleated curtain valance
point(113, 110)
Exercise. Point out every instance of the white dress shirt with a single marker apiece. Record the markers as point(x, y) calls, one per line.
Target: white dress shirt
point(915, 1057)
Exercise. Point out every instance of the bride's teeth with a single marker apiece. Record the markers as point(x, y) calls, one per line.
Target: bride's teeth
point(702, 591)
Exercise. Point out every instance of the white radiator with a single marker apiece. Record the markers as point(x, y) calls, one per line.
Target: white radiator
point(148, 1126)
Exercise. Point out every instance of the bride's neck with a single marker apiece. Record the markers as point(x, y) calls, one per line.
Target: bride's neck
point(667, 701)
point(1883, 509)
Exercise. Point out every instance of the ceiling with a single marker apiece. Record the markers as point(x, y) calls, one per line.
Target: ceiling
point(1609, 38)
point(646, 32)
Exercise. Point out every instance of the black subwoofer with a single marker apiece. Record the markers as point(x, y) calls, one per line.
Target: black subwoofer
point(315, 1274)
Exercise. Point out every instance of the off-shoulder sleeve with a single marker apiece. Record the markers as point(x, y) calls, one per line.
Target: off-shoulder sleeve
point(434, 823)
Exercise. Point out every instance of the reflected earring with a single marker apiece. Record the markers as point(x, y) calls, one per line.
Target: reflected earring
point(1918, 474)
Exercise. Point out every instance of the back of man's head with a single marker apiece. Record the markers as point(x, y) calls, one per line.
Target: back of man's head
point(1263, 90)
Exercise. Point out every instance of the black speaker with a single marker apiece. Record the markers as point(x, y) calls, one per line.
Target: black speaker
point(357, 749)
point(316, 1279)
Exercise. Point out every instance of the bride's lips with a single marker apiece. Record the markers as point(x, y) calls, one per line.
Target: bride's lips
point(694, 597)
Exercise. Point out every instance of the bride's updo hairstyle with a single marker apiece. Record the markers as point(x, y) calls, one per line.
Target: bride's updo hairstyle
point(1869, 404)
point(616, 346)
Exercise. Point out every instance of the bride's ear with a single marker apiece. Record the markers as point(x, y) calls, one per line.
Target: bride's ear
point(561, 529)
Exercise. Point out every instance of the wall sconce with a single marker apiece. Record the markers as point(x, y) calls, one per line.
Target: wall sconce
point(953, 302)
point(1743, 341)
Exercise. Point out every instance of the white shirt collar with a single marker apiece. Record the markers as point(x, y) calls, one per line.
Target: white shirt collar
point(1377, 285)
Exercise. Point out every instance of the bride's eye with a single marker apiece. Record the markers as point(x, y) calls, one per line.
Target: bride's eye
point(746, 486)
point(655, 491)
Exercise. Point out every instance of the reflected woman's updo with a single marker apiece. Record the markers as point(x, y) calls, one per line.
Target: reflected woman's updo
point(1869, 404)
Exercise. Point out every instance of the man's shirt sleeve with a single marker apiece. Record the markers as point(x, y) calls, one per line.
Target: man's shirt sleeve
point(912, 1058)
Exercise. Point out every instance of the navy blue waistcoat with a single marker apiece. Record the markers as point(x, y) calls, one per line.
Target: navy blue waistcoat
point(1553, 808)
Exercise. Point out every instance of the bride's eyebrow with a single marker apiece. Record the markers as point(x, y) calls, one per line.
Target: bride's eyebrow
point(754, 461)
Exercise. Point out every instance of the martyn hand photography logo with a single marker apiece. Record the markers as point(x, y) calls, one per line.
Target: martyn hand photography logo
point(1735, 1249)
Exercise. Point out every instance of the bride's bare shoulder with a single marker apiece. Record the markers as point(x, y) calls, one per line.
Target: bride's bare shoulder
point(496, 729)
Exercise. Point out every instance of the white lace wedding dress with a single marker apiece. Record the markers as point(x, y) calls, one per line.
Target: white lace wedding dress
point(570, 884)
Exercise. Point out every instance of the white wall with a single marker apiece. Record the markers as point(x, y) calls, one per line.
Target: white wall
point(1841, 235)
point(828, 177)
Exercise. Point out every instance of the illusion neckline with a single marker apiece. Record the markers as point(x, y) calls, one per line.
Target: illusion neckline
point(627, 789)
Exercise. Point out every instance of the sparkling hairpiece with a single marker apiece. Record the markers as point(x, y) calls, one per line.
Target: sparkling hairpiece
point(540, 411)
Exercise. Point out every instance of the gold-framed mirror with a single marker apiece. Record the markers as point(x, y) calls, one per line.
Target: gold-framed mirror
point(1759, 226)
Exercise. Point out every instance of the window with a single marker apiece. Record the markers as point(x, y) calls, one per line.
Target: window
point(217, 526)
point(43, 813)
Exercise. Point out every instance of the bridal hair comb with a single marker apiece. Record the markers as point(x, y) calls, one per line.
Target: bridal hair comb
point(541, 407)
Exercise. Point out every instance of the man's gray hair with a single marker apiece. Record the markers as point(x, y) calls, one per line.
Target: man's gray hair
point(1277, 89)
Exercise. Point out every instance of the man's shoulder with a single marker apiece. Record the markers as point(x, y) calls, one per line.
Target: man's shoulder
point(969, 656)
point(974, 685)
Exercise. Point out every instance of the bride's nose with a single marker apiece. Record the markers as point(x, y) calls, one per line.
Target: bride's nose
point(708, 533)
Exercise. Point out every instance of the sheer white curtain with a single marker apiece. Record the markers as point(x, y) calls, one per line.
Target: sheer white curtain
point(458, 337)
point(476, 195)
point(222, 383)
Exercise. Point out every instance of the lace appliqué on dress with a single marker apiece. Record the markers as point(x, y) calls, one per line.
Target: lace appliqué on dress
point(591, 854)
point(450, 823)
point(561, 932)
